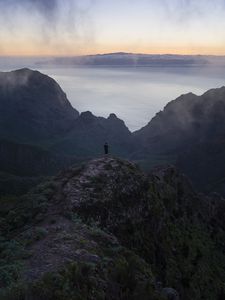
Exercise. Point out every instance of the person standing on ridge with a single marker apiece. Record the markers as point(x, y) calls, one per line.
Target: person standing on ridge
point(106, 148)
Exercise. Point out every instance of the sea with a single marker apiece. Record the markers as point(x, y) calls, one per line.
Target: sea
point(134, 94)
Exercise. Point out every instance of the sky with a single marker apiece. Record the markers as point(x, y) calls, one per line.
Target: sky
point(79, 27)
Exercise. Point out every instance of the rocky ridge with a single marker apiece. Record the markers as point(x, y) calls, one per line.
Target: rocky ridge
point(107, 230)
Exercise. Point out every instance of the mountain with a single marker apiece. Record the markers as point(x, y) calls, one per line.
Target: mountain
point(89, 133)
point(28, 160)
point(33, 107)
point(23, 166)
point(40, 132)
point(107, 230)
point(192, 130)
point(34, 110)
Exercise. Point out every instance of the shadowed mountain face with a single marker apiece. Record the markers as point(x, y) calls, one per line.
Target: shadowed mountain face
point(188, 120)
point(190, 131)
point(191, 128)
point(27, 160)
point(40, 132)
point(109, 231)
point(89, 134)
point(33, 107)
point(23, 166)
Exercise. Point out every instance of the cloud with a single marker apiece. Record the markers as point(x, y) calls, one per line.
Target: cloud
point(81, 26)
point(45, 8)
point(46, 23)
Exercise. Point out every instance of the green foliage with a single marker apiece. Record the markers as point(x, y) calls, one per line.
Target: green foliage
point(11, 256)
point(76, 282)
point(122, 276)
point(30, 208)
point(33, 235)
point(179, 237)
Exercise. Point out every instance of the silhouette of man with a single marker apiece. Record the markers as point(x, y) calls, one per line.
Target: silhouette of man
point(106, 148)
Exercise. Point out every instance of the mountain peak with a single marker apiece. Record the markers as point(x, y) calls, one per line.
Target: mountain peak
point(33, 106)
point(112, 116)
point(87, 116)
point(115, 54)
point(22, 70)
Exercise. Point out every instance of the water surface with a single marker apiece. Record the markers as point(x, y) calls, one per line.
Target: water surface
point(134, 94)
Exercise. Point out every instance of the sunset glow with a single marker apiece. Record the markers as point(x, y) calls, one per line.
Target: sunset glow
point(75, 27)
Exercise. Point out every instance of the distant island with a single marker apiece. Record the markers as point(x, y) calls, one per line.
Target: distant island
point(136, 60)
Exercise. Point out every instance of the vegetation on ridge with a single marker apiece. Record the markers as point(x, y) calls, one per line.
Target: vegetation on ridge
point(108, 231)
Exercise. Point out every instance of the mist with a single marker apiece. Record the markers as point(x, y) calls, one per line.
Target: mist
point(49, 25)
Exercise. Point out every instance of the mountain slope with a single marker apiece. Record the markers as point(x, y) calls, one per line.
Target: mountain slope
point(189, 117)
point(191, 128)
point(27, 160)
point(190, 131)
point(89, 133)
point(109, 231)
point(35, 110)
point(40, 132)
point(33, 107)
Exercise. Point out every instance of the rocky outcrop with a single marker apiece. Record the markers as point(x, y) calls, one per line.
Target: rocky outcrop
point(109, 227)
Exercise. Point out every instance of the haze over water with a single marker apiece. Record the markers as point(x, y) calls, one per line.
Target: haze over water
point(134, 94)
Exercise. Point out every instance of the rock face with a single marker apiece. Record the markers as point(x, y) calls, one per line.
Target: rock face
point(89, 134)
point(192, 130)
point(108, 231)
point(33, 107)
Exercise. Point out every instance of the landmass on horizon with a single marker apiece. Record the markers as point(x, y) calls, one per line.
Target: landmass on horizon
point(137, 59)
point(118, 59)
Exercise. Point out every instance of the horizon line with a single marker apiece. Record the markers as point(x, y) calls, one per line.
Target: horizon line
point(106, 53)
